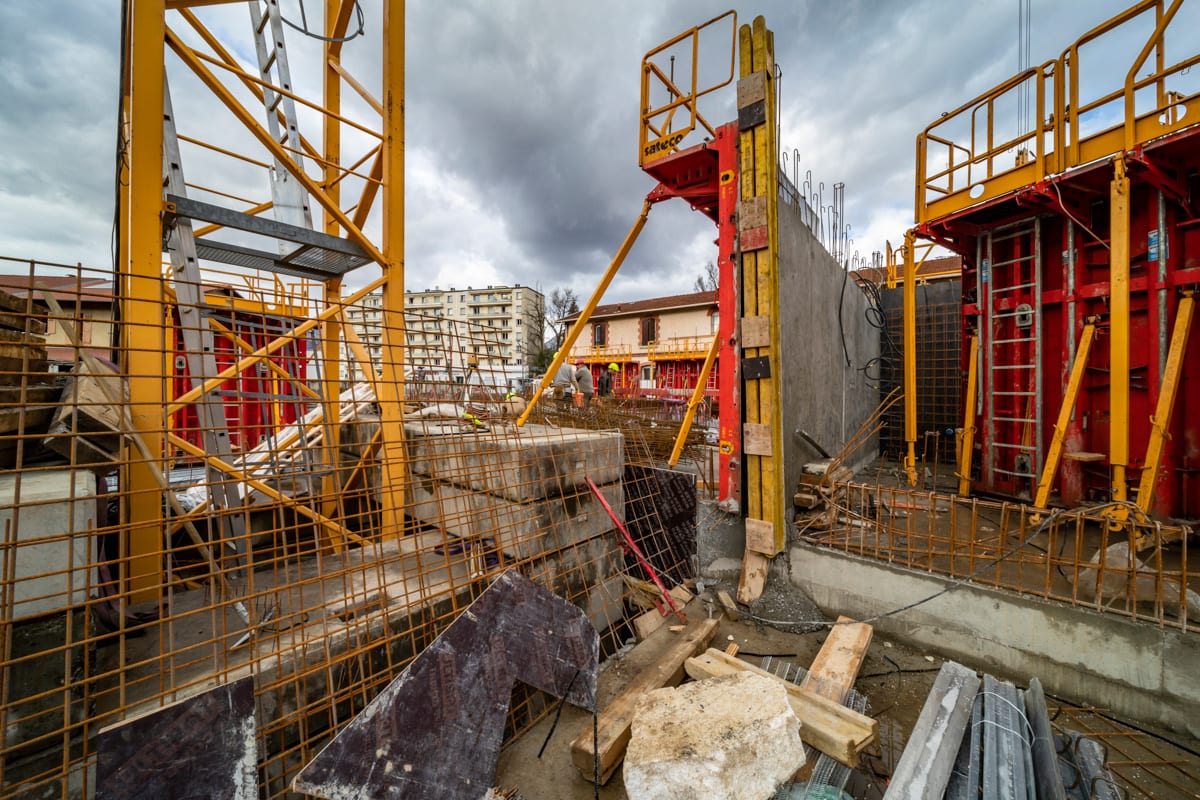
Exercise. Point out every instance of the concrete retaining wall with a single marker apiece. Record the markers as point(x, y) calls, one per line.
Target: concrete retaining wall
point(1136, 669)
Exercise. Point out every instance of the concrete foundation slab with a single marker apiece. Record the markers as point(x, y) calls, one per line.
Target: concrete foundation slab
point(1138, 670)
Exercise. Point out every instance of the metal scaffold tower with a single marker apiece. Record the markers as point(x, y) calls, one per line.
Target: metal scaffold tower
point(354, 171)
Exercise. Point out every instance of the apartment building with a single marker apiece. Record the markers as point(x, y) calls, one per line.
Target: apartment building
point(658, 344)
point(496, 328)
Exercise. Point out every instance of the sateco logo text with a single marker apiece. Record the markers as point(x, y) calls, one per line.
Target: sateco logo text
point(663, 144)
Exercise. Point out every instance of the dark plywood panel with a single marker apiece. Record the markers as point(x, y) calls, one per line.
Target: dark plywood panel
point(200, 747)
point(435, 731)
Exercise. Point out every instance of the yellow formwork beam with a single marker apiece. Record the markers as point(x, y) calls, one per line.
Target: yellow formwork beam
point(967, 443)
point(766, 523)
point(1168, 388)
point(697, 395)
point(1054, 455)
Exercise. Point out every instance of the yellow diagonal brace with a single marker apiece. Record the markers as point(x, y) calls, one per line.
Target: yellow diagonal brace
point(564, 349)
point(697, 396)
point(967, 445)
point(1168, 388)
point(1054, 456)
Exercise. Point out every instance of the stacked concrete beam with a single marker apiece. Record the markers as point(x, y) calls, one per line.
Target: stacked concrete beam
point(523, 492)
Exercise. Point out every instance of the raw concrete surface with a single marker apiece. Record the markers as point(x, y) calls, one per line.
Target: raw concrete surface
point(1139, 670)
point(822, 394)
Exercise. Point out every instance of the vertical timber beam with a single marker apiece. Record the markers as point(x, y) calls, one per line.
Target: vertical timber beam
point(142, 310)
point(766, 525)
point(1119, 330)
point(392, 453)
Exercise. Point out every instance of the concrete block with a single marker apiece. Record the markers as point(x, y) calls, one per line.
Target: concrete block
point(587, 574)
point(522, 530)
point(520, 464)
point(729, 737)
point(51, 514)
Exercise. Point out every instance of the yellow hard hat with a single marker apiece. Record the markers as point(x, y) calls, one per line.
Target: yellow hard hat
point(614, 367)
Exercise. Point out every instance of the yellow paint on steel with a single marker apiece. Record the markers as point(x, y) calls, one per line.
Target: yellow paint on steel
point(967, 444)
point(1054, 455)
point(1163, 408)
point(1118, 398)
point(142, 339)
point(910, 358)
point(392, 454)
point(564, 349)
point(697, 395)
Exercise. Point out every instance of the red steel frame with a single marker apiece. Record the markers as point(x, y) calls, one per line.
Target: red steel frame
point(1075, 284)
point(706, 175)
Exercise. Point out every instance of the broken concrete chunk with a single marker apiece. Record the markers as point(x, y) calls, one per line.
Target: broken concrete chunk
point(728, 737)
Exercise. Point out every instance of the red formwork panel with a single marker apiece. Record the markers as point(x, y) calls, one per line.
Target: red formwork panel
point(258, 401)
point(1036, 268)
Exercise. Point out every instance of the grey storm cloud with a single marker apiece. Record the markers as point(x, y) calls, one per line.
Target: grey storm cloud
point(521, 122)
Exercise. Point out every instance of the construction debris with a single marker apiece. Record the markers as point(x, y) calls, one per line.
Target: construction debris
point(828, 726)
point(615, 721)
point(924, 769)
point(729, 737)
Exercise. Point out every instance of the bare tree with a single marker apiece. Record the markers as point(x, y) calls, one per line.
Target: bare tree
point(563, 302)
point(709, 279)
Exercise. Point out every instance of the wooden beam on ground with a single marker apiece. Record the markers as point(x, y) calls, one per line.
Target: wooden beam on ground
point(835, 669)
point(615, 720)
point(839, 732)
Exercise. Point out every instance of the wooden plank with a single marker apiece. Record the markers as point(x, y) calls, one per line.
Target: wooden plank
point(756, 331)
point(753, 579)
point(835, 669)
point(839, 732)
point(752, 213)
point(647, 623)
point(752, 89)
point(615, 720)
point(760, 536)
point(756, 440)
point(836, 666)
point(731, 609)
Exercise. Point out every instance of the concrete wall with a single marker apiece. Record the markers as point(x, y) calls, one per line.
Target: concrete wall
point(821, 395)
point(1137, 669)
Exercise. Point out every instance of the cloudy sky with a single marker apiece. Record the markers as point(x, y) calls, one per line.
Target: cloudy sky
point(522, 122)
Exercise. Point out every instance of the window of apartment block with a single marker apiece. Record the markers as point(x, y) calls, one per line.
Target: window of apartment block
point(518, 322)
point(649, 330)
point(599, 334)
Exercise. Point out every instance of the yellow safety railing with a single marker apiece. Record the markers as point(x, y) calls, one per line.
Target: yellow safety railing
point(976, 152)
point(661, 132)
point(603, 353)
point(678, 347)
